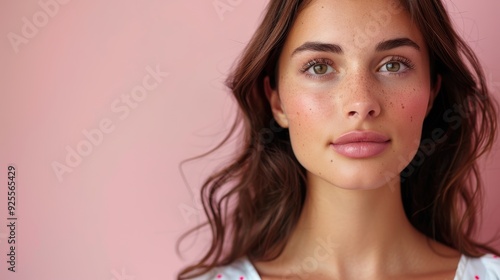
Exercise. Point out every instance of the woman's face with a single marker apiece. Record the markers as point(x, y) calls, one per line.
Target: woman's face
point(353, 89)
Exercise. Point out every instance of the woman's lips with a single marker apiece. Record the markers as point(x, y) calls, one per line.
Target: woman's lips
point(361, 144)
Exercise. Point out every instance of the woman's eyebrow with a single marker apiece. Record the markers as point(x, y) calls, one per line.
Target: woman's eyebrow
point(395, 43)
point(319, 47)
point(334, 48)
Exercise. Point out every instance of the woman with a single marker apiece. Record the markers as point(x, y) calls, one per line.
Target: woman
point(362, 127)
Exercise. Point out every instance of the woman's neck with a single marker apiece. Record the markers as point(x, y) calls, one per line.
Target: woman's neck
point(358, 220)
point(358, 234)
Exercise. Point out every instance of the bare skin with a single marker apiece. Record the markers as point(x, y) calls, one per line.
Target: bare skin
point(369, 237)
point(353, 224)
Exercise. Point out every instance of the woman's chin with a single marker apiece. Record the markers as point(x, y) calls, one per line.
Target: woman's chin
point(363, 182)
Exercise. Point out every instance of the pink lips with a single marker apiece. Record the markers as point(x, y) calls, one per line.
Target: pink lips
point(361, 144)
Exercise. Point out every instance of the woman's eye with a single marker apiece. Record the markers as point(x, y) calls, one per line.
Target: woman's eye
point(395, 67)
point(320, 69)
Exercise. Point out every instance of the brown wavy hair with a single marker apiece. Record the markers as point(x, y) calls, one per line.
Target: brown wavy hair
point(253, 204)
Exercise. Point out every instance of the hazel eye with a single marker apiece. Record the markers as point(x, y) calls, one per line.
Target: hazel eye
point(393, 66)
point(320, 69)
point(397, 65)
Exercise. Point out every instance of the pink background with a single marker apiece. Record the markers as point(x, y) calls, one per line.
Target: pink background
point(119, 211)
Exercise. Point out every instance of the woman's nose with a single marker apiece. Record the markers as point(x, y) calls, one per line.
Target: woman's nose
point(363, 109)
point(361, 100)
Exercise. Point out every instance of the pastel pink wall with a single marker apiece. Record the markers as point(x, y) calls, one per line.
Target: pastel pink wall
point(86, 68)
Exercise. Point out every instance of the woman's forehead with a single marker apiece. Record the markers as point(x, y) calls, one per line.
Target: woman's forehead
point(352, 24)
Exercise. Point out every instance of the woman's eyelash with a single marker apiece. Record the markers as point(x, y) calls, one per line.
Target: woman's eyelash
point(403, 60)
point(408, 63)
point(316, 61)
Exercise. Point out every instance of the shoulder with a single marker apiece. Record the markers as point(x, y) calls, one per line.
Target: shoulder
point(241, 269)
point(486, 267)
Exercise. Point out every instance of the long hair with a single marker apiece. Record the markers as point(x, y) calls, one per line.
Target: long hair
point(253, 204)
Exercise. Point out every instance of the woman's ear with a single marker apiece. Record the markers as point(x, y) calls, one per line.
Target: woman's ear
point(434, 92)
point(275, 102)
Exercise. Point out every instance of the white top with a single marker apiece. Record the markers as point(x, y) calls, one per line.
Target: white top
point(486, 267)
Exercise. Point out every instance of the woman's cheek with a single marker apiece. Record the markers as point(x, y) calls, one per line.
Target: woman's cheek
point(415, 105)
point(409, 113)
point(307, 112)
point(308, 105)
